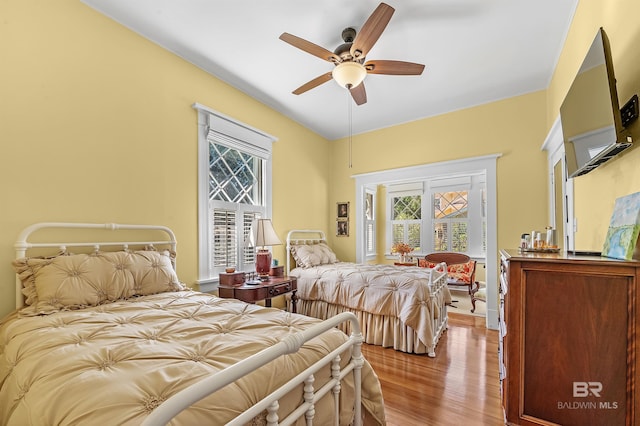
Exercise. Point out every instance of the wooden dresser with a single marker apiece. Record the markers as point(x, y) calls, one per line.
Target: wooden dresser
point(569, 339)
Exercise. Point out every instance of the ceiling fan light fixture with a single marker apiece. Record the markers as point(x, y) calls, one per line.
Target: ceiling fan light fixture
point(349, 74)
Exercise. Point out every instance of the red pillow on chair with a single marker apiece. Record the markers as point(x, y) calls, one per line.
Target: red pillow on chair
point(460, 272)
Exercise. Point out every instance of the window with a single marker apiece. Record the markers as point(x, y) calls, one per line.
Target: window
point(370, 221)
point(234, 181)
point(439, 214)
point(405, 215)
point(450, 221)
point(236, 194)
point(406, 219)
point(458, 214)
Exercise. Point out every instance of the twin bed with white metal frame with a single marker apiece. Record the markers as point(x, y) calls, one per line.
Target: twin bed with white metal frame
point(112, 337)
point(397, 306)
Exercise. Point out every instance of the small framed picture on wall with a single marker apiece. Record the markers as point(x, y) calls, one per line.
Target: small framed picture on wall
point(343, 210)
point(342, 228)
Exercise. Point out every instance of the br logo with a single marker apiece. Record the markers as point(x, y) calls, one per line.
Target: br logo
point(584, 389)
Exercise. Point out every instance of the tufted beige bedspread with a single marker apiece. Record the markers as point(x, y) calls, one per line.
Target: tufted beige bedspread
point(112, 364)
point(384, 291)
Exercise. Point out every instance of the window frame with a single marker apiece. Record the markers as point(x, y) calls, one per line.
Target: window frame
point(242, 137)
point(370, 224)
point(474, 185)
point(404, 190)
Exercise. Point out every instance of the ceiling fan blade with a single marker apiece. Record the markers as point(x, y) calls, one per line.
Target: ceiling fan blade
point(309, 47)
point(313, 83)
point(371, 30)
point(358, 94)
point(393, 67)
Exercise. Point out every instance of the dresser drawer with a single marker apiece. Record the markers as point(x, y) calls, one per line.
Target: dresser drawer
point(280, 289)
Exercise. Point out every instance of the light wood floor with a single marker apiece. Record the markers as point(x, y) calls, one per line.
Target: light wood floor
point(460, 386)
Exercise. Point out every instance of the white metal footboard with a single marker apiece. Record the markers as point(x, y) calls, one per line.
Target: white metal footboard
point(439, 317)
point(185, 398)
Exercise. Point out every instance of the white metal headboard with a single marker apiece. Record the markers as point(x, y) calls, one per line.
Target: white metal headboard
point(22, 243)
point(302, 236)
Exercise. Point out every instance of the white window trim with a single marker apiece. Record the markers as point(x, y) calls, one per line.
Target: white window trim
point(462, 167)
point(237, 135)
point(554, 145)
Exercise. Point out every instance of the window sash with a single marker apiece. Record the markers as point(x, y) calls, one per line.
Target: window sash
point(231, 225)
point(451, 235)
point(224, 238)
point(370, 222)
point(406, 218)
point(370, 235)
point(450, 216)
point(235, 176)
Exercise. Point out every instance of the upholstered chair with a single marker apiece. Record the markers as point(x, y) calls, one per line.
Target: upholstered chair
point(461, 269)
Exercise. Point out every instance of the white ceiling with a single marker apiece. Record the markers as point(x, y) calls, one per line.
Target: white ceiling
point(475, 51)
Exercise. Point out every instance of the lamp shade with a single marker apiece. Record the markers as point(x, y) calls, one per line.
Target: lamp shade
point(264, 234)
point(349, 74)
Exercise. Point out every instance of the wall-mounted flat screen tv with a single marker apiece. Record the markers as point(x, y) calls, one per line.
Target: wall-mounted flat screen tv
point(590, 114)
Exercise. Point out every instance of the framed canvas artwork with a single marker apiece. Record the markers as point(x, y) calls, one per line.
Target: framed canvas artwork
point(343, 210)
point(342, 228)
point(624, 228)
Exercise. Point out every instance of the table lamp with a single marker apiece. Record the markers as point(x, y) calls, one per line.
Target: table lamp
point(264, 235)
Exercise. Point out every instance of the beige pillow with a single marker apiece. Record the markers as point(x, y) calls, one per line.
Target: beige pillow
point(81, 280)
point(309, 255)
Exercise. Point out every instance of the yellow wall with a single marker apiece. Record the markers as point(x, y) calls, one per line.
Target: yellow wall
point(595, 193)
point(96, 125)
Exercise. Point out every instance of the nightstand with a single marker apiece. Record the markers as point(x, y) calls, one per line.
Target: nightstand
point(266, 290)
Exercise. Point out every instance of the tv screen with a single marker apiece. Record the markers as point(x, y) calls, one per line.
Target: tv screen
point(590, 115)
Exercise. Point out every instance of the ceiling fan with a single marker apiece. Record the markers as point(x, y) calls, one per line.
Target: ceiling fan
point(349, 58)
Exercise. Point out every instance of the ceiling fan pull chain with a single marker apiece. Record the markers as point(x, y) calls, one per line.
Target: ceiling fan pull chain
point(350, 129)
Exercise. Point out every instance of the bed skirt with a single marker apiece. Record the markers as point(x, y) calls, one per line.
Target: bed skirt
point(377, 330)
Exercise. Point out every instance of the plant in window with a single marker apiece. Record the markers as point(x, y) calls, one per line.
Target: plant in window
point(401, 248)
